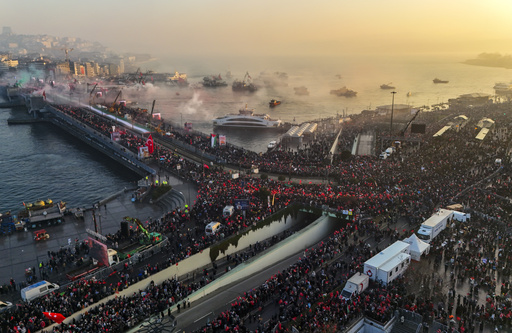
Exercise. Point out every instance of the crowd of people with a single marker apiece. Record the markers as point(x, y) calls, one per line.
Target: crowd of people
point(372, 193)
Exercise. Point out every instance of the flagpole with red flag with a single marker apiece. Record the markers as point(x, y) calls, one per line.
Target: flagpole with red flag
point(150, 144)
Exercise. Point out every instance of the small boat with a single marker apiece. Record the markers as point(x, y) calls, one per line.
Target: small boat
point(273, 103)
point(39, 204)
point(436, 80)
point(387, 86)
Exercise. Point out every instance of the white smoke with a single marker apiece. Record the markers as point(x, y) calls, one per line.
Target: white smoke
point(193, 105)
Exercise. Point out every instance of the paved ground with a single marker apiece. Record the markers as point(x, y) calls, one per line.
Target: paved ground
point(20, 251)
point(366, 144)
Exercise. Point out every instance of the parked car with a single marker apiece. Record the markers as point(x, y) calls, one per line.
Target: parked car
point(4, 306)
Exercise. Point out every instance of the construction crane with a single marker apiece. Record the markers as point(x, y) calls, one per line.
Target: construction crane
point(150, 237)
point(66, 50)
point(91, 97)
point(402, 133)
point(112, 109)
point(153, 108)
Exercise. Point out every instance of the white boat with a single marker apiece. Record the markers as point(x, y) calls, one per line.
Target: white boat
point(246, 118)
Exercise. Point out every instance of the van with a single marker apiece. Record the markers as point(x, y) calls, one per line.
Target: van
point(228, 211)
point(383, 155)
point(37, 290)
point(212, 228)
point(389, 151)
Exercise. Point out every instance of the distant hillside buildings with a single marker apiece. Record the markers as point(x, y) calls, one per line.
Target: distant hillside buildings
point(60, 56)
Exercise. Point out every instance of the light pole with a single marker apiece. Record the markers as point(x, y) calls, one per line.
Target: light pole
point(392, 107)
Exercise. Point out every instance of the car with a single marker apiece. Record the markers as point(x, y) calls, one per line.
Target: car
point(383, 155)
point(272, 144)
point(4, 306)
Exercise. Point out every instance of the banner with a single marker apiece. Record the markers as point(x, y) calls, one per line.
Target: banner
point(222, 140)
point(214, 140)
point(115, 136)
point(157, 116)
point(188, 126)
point(98, 251)
point(143, 152)
point(149, 144)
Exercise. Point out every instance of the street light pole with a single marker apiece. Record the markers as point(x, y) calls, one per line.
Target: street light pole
point(392, 107)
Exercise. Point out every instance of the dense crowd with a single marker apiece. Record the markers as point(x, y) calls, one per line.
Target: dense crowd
point(410, 184)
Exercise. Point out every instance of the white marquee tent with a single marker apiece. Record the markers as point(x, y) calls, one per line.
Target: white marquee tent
point(417, 248)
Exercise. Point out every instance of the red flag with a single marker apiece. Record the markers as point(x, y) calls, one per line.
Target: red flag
point(56, 317)
point(149, 144)
point(44, 94)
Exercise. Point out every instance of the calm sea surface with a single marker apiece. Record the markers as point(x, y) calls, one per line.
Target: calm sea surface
point(39, 161)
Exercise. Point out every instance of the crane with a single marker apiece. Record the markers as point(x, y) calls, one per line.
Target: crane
point(402, 133)
point(91, 97)
point(150, 237)
point(112, 108)
point(66, 50)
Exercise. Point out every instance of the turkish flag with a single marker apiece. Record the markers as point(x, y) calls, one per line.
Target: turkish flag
point(56, 317)
point(149, 144)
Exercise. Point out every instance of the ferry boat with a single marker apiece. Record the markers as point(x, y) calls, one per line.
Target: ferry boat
point(246, 118)
point(214, 81)
point(387, 86)
point(436, 80)
point(178, 79)
point(245, 85)
point(344, 91)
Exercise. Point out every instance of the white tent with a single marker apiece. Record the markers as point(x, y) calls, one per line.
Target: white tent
point(417, 248)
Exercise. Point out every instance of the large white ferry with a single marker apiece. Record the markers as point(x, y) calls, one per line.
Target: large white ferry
point(246, 118)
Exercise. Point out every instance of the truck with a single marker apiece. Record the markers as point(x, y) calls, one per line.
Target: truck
point(92, 265)
point(434, 225)
point(355, 285)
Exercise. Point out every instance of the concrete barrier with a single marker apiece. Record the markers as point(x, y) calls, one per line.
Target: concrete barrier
point(292, 245)
point(288, 247)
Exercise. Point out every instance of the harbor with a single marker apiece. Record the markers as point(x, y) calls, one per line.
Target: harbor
point(326, 166)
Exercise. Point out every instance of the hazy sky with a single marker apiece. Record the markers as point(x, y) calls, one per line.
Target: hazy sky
point(277, 27)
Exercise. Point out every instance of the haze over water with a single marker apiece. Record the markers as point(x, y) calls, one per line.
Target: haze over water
point(363, 74)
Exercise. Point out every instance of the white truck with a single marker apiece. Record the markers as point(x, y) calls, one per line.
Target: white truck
point(355, 285)
point(434, 225)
